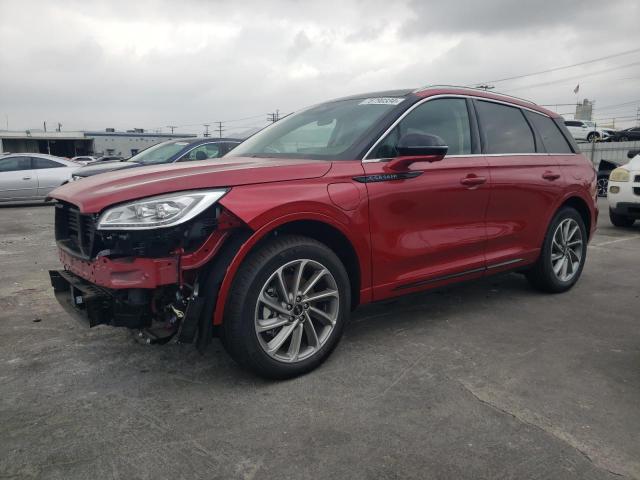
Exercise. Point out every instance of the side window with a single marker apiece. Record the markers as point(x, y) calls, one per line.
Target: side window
point(447, 118)
point(14, 164)
point(45, 163)
point(553, 140)
point(572, 123)
point(202, 152)
point(505, 129)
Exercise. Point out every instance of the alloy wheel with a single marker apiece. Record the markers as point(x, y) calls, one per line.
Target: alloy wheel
point(603, 186)
point(567, 250)
point(297, 310)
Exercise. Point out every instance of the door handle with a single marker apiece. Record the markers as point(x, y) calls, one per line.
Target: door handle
point(472, 181)
point(550, 175)
point(26, 178)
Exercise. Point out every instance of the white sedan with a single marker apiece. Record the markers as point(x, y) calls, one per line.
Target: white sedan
point(624, 192)
point(29, 177)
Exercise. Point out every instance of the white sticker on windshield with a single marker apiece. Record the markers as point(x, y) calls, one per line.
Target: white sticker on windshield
point(381, 101)
point(182, 143)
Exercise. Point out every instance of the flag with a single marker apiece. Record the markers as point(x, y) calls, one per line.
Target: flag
point(575, 90)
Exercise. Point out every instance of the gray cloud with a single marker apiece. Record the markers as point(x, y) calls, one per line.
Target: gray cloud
point(154, 63)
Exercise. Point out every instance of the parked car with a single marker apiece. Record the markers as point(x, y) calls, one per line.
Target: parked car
point(31, 176)
point(109, 158)
point(624, 192)
point(182, 150)
point(586, 130)
point(84, 159)
point(627, 135)
point(605, 168)
point(351, 201)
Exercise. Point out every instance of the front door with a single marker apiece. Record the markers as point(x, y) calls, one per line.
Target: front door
point(428, 223)
point(17, 180)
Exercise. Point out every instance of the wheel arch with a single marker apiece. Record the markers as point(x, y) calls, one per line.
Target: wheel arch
point(580, 205)
point(316, 226)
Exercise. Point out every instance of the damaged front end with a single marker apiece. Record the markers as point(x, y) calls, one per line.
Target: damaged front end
point(145, 279)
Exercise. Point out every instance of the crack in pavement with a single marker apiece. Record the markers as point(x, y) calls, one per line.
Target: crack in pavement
point(565, 438)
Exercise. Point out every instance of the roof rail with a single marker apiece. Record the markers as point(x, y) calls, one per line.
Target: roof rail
point(475, 89)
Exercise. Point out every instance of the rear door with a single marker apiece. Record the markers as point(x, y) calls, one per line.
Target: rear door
point(428, 223)
point(525, 184)
point(50, 174)
point(17, 180)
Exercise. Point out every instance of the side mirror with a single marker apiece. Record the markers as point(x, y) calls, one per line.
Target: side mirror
point(417, 147)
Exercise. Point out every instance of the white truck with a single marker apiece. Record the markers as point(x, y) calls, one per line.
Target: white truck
point(624, 192)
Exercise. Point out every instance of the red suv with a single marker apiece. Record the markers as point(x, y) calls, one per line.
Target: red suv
point(344, 203)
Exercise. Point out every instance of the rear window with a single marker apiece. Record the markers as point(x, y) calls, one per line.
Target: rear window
point(552, 138)
point(505, 129)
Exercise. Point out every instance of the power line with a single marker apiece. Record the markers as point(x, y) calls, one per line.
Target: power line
point(555, 69)
point(575, 77)
point(220, 129)
point(274, 116)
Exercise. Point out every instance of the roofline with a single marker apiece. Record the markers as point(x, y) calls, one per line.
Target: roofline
point(474, 89)
point(142, 134)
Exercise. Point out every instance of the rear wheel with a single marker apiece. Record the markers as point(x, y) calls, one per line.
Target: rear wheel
point(603, 186)
point(288, 307)
point(593, 137)
point(620, 220)
point(563, 253)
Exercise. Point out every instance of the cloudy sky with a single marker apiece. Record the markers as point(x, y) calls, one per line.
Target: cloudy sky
point(153, 63)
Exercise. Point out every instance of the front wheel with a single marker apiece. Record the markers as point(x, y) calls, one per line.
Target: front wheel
point(563, 253)
point(603, 186)
point(620, 220)
point(289, 304)
point(593, 137)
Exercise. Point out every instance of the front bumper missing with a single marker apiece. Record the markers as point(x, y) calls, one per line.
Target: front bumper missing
point(92, 304)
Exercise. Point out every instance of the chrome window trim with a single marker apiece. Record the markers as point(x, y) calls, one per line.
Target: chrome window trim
point(447, 95)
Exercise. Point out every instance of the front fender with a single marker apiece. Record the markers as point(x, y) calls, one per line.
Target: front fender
point(261, 208)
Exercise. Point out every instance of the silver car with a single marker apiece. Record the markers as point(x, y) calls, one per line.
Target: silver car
point(31, 176)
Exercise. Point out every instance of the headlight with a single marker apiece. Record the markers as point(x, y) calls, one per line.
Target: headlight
point(620, 175)
point(160, 211)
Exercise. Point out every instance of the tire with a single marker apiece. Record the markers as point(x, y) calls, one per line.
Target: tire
point(603, 186)
point(593, 137)
point(555, 252)
point(623, 139)
point(257, 301)
point(620, 220)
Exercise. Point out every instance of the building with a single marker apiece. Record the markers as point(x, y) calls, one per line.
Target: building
point(584, 110)
point(126, 144)
point(71, 144)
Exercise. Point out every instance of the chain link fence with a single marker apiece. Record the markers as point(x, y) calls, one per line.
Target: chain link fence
point(612, 152)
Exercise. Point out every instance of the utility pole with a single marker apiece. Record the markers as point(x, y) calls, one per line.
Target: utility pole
point(172, 127)
point(638, 117)
point(220, 129)
point(274, 116)
point(59, 127)
point(485, 87)
point(44, 124)
point(206, 129)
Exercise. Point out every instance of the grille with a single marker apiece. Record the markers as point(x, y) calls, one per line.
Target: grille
point(637, 179)
point(74, 231)
point(636, 190)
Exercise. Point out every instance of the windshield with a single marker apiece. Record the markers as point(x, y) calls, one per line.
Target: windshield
point(321, 132)
point(158, 153)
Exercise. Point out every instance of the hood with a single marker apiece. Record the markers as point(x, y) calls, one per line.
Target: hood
point(93, 194)
point(102, 167)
